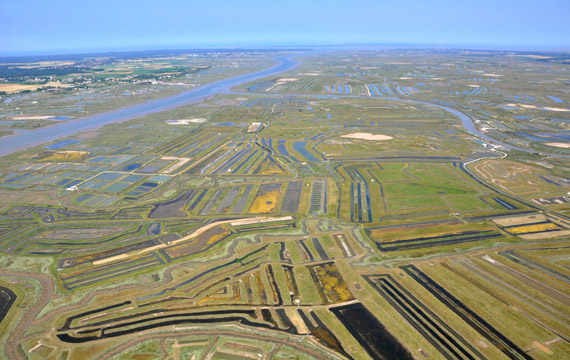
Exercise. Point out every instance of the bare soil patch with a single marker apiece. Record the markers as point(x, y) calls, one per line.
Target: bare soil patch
point(558, 145)
point(367, 136)
point(186, 121)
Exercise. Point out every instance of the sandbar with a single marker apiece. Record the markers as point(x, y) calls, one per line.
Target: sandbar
point(367, 136)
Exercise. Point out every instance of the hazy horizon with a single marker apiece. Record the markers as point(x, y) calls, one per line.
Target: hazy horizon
point(37, 28)
point(340, 47)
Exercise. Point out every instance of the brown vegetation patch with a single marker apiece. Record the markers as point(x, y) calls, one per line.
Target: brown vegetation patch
point(332, 287)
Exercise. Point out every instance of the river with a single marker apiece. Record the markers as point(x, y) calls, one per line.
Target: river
point(25, 140)
point(28, 139)
point(468, 124)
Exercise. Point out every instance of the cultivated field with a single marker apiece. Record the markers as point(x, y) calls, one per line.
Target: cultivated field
point(340, 210)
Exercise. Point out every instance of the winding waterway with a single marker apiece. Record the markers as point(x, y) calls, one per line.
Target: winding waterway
point(25, 140)
point(468, 124)
point(466, 120)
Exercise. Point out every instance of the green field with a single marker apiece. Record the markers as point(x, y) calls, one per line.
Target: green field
point(180, 234)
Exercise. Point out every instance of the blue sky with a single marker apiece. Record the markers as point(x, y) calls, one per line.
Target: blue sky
point(55, 26)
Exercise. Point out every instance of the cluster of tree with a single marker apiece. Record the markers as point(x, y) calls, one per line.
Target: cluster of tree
point(177, 71)
point(19, 74)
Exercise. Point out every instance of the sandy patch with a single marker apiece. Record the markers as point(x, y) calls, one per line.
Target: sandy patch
point(541, 347)
point(526, 106)
point(520, 220)
point(253, 127)
point(473, 86)
point(281, 82)
point(406, 78)
point(188, 237)
point(367, 136)
point(42, 64)
point(258, 220)
point(12, 88)
point(492, 75)
point(180, 162)
point(558, 145)
point(534, 56)
point(311, 74)
point(37, 117)
point(185, 121)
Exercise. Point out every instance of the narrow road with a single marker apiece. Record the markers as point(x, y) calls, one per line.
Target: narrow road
point(12, 350)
